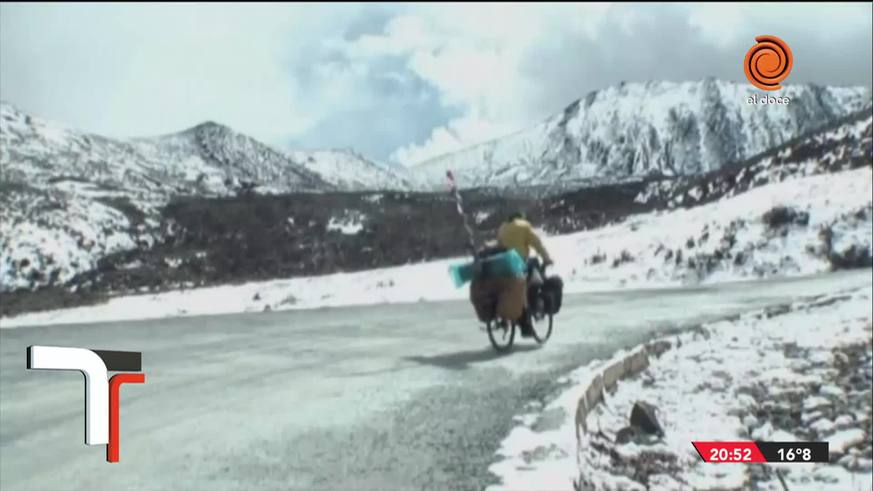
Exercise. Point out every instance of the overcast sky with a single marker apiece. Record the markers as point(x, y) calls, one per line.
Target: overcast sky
point(397, 82)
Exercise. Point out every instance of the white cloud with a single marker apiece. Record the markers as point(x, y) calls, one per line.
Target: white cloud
point(457, 133)
point(139, 69)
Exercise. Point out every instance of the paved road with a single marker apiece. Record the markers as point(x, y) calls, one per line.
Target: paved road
point(402, 397)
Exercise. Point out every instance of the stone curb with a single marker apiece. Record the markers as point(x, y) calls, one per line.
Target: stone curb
point(607, 376)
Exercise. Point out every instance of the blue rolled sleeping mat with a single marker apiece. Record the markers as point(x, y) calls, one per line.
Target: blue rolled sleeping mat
point(495, 265)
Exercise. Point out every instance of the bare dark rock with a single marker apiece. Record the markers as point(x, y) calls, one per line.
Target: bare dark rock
point(782, 216)
point(626, 435)
point(643, 416)
point(854, 256)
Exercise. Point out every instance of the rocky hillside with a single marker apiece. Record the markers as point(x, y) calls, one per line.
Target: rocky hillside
point(639, 129)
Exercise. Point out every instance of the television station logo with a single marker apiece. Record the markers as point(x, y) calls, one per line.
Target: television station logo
point(768, 62)
point(102, 399)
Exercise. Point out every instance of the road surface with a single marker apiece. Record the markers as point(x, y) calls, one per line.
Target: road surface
point(392, 397)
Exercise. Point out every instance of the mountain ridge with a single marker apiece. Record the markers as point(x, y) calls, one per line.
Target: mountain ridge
point(675, 128)
point(70, 199)
point(213, 241)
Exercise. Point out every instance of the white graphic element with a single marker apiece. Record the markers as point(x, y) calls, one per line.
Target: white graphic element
point(96, 384)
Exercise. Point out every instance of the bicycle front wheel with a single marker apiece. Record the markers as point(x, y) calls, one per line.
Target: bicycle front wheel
point(541, 328)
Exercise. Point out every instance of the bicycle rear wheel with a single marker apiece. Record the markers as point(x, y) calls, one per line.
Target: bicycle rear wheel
point(501, 334)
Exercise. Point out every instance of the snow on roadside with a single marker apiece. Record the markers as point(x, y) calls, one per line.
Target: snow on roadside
point(729, 241)
point(801, 373)
point(540, 452)
point(757, 378)
point(390, 285)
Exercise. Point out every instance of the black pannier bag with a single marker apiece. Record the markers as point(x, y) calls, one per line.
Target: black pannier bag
point(553, 288)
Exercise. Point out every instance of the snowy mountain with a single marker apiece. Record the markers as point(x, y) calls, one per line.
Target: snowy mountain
point(70, 198)
point(350, 171)
point(843, 145)
point(217, 160)
point(637, 129)
point(208, 159)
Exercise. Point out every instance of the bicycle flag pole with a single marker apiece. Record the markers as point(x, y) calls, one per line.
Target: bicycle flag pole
point(453, 189)
point(461, 273)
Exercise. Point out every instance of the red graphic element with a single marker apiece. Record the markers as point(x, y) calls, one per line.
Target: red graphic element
point(729, 452)
point(768, 63)
point(113, 449)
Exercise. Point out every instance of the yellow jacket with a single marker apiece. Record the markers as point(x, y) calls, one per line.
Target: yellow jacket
point(519, 235)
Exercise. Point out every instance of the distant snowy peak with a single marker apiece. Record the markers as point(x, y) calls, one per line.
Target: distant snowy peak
point(637, 129)
point(217, 157)
point(843, 145)
point(36, 153)
point(206, 159)
point(347, 170)
point(209, 158)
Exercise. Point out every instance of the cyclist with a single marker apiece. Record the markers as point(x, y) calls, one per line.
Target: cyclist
point(517, 233)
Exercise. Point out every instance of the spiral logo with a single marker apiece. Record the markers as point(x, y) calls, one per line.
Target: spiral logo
point(768, 63)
